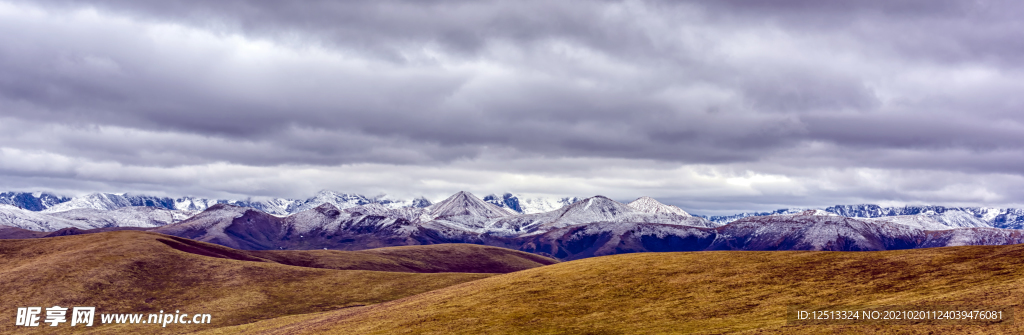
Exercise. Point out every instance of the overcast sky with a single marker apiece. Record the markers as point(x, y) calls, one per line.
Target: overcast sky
point(714, 106)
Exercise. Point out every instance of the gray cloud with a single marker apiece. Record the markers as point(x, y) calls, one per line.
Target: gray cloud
point(780, 88)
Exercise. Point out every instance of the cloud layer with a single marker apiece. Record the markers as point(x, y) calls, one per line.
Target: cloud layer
point(720, 106)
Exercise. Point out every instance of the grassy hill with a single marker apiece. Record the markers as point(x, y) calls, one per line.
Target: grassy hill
point(141, 272)
point(698, 292)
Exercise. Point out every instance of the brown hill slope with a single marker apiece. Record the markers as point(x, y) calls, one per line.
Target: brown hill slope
point(698, 292)
point(455, 257)
point(421, 258)
point(8, 232)
point(141, 272)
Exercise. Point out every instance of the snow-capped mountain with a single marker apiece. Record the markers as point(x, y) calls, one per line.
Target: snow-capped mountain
point(465, 204)
point(931, 217)
point(325, 226)
point(460, 215)
point(916, 221)
point(275, 206)
point(651, 206)
point(218, 224)
point(588, 227)
point(103, 201)
point(31, 201)
point(925, 217)
point(609, 238)
point(813, 230)
point(529, 205)
point(836, 232)
point(87, 218)
point(113, 201)
point(591, 210)
point(135, 216)
point(724, 219)
point(1011, 218)
point(460, 218)
point(35, 221)
point(345, 200)
point(808, 230)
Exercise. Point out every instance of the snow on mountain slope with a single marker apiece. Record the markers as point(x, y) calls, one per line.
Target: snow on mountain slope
point(809, 230)
point(950, 216)
point(324, 217)
point(916, 221)
point(589, 210)
point(344, 200)
point(275, 206)
point(374, 225)
point(529, 205)
point(35, 221)
point(812, 231)
point(1011, 218)
point(958, 219)
point(31, 201)
point(651, 206)
point(462, 211)
point(328, 219)
point(209, 225)
point(112, 201)
point(540, 205)
point(609, 238)
point(101, 201)
point(195, 204)
point(725, 219)
point(973, 236)
point(594, 209)
point(324, 226)
point(590, 227)
point(338, 200)
point(465, 203)
point(135, 216)
point(405, 213)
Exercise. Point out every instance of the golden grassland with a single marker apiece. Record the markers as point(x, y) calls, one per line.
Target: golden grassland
point(697, 292)
point(141, 272)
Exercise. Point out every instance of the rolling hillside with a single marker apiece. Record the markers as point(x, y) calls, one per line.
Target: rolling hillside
point(696, 292)
point(142, 272)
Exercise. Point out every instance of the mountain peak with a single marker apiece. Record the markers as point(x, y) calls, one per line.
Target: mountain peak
point(650, 205)
point(597, 199)
point(595, 207)
point(465, 203)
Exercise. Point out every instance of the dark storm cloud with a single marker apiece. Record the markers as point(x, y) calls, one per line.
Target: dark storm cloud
point(903, 85)
point(618, 119)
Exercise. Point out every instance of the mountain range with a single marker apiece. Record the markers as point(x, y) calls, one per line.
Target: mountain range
point(574, 228)
point(51, 203)
point(927, 216)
